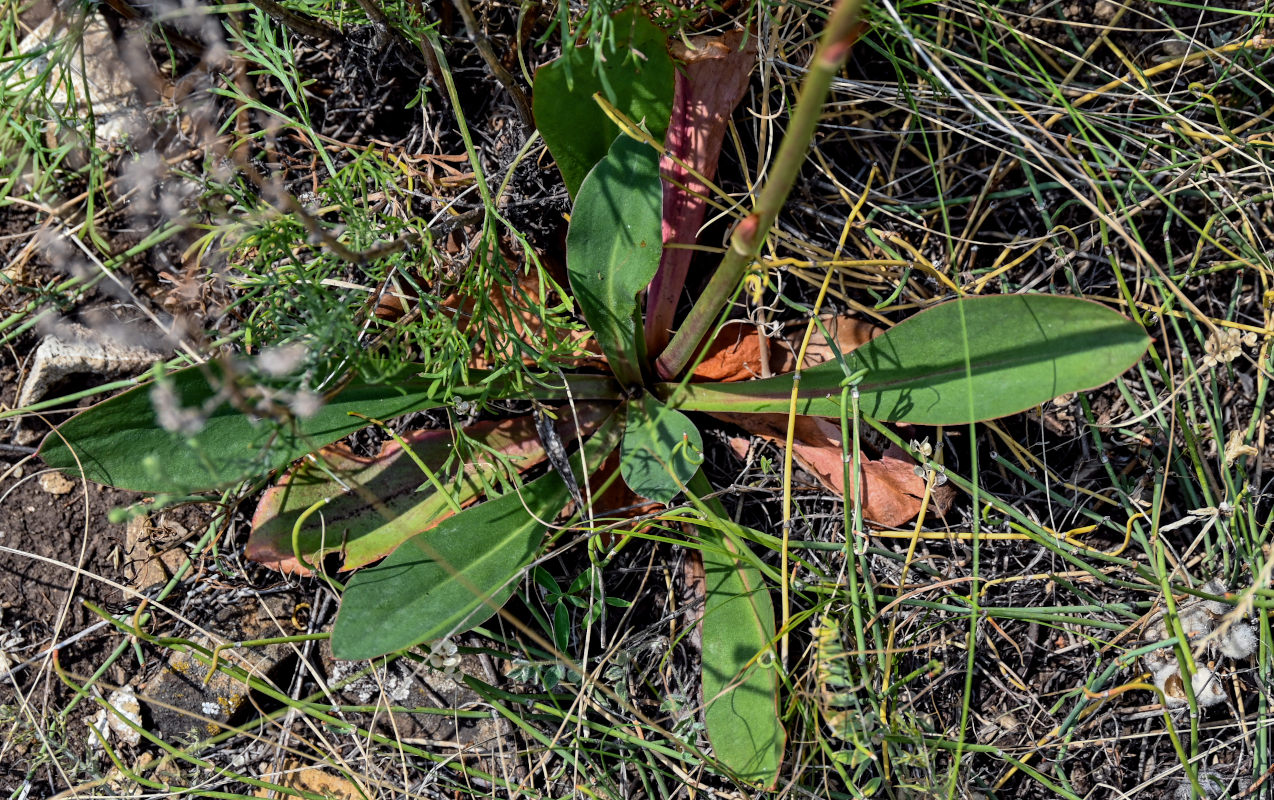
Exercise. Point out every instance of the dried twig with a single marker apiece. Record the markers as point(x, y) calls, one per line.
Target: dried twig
point(501, 74)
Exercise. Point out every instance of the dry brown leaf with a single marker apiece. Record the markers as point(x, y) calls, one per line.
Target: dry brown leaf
point(892, 491)
point(735, 355)
point(847, 333)
point(316, 781)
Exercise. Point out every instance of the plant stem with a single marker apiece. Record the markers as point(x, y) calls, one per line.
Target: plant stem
point(750, 234)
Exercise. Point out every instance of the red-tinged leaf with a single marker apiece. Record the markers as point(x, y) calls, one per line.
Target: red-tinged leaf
point(707, 88)
point(371, 505)
point(449, 579)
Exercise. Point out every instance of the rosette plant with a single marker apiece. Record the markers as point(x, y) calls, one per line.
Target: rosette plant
point(440, 536)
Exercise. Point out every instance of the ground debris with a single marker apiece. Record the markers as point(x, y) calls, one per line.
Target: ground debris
point(72, 350)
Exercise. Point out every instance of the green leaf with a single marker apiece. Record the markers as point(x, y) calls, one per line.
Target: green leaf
point(963, 361)
point(613, 248)
point(371, 505)
point(662, 449)
point(121, 443)
point(632, 71)
point(740, 682)
point(455, 576)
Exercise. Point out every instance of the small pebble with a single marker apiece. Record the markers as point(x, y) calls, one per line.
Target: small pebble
point(56, 483)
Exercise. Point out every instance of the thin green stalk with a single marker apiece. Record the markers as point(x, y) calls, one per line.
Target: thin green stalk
point(750, 234)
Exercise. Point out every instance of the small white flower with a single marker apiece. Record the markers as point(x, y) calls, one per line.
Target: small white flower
point(443, 657)
point(1225, 345)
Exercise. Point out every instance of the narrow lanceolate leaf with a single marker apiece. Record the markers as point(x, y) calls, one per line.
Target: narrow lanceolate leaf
point(363, 508)
point(456, 575)
point(632, 71)
point(740, 683)
point(613, 247)
point(963, 361)
point(120, 442)
point(662, 449)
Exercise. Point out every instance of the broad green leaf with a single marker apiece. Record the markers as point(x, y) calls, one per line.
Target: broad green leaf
point(613, 248)
point(121, 443)
point(632, 71)
point(963, 361)
point(371, 505)
point(455, 576)
point(740, 682)
point(662, 450)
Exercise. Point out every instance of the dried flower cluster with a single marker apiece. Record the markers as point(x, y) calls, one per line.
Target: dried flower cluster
point(1226, 345)
point(1215, 786)
point(443, 657)
point(1198, 619)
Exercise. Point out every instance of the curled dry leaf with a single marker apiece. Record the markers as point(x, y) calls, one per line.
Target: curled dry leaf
point(892, 491)
point(707, 88)
point(735, 354)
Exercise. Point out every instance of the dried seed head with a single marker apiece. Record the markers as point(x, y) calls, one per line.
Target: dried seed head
point(1156, 629)
point(1156, 660)
point(1207, 687)
point(1240, 641)
point(1168, 679)
point(1196, 621)
point(1215, 786)
point(1216, 607)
